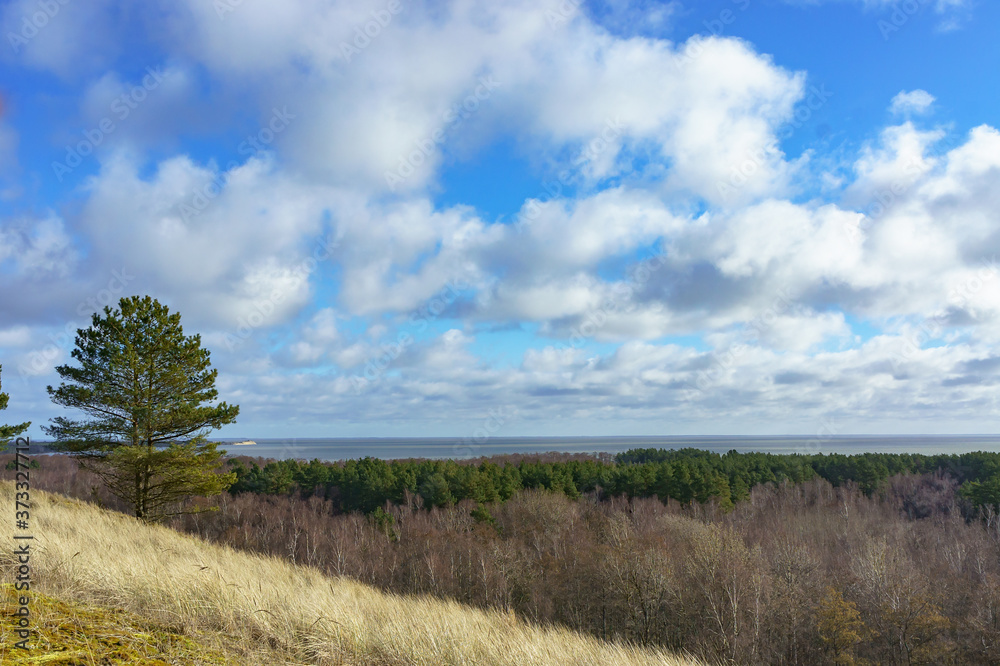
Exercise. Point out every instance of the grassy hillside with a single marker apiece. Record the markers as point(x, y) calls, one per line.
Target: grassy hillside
point(118, 591)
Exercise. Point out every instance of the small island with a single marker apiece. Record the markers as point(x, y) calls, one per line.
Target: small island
point(248, 442)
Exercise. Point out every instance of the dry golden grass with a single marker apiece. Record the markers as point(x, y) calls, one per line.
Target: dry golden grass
point(263, 610)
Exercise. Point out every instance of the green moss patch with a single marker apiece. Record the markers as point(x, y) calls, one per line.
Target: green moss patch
point(68, 634)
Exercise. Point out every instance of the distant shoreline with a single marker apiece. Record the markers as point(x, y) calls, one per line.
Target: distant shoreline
point(46, 447)
point(454, 448)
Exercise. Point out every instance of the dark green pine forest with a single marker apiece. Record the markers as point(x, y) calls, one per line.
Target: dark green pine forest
point(685, 475)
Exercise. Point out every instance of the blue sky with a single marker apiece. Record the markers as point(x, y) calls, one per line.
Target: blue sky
point(394, 218)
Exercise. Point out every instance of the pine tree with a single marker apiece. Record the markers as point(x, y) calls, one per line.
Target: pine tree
point(9, 432)
point(144, 387)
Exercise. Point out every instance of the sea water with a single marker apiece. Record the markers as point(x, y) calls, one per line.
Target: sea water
point(459, 448)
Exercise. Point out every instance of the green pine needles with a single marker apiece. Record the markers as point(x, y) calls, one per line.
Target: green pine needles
point(9, 432)
point(147, 391)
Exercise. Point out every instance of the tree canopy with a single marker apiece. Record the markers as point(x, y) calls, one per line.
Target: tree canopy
point(147, 392)
point(685, 475)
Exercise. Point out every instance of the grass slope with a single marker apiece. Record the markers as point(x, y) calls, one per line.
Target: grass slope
point(180, 600)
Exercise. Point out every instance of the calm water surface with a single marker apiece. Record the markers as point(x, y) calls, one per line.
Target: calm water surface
point(443, 447)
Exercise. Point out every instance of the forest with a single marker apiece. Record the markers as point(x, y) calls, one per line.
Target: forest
point(685, 475)
point(735, 558)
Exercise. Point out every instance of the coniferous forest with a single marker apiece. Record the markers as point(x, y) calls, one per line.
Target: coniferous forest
point(686, 475)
